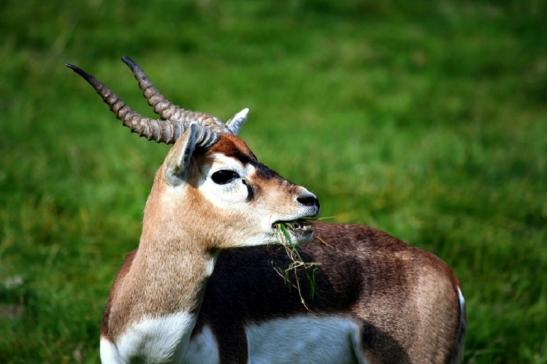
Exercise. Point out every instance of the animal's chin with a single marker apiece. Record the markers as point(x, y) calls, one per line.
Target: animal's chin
point(303, 236)
point(293, 231)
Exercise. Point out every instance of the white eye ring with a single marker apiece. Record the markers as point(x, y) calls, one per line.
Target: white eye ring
point(224, 176)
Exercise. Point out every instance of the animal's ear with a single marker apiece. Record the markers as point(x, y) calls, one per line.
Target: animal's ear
point(178, 160)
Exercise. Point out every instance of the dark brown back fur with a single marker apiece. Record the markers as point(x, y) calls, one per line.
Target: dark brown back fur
point(360, 266)
point(363, 272)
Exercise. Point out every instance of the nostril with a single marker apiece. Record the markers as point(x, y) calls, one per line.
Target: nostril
point(308, 200)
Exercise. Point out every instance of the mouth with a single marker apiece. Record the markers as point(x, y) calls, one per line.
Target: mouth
point(293, 231)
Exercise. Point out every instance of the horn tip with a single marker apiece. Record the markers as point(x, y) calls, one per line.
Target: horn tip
point(243, 113)
point(80, 71)
point(71, 66)
point(129, 61)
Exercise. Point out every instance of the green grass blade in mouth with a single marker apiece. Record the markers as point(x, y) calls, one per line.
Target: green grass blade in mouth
point(293, 253)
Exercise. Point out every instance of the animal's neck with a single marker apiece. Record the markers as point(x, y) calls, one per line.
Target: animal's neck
point(167, 277)
point(174, 275)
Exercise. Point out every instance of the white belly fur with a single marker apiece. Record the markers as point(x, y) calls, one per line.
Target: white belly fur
point(151, 341)
point(298, 339)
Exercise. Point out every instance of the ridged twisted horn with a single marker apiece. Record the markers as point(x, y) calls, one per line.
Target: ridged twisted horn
point(165, 108)
point(161, 131)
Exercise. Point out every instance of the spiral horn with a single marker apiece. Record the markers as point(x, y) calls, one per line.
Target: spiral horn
point(161, 131)
point(169, 111)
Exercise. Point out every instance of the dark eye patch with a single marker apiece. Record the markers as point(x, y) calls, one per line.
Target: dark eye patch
point(224, 176)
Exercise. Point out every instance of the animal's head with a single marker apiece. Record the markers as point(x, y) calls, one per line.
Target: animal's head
point(210, 186)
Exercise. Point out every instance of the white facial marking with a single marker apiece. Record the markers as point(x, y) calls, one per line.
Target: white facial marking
point(230, 194)
point(231, 187)
point(153, 340)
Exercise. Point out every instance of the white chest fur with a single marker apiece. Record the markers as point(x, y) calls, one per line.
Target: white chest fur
point(151, 341)
point(299, 339)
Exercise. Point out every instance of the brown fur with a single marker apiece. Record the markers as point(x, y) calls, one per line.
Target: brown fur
point(181, 232)
point(405, 298)
point(232, 146)
point(115, 286)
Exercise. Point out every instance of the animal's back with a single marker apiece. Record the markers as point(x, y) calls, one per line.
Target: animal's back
point(403, 300)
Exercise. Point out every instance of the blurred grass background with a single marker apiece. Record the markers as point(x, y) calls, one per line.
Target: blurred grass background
point(426, 120)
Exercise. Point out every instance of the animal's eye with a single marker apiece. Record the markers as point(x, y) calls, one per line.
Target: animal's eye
point(224, 176)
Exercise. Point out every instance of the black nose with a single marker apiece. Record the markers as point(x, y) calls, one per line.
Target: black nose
point(308, 200)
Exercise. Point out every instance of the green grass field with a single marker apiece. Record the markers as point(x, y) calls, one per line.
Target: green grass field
point(426, 120)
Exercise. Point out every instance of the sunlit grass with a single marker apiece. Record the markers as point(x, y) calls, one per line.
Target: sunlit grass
point(427, 121)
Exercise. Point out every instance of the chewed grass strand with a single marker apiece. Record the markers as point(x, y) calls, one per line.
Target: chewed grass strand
point(293, 253)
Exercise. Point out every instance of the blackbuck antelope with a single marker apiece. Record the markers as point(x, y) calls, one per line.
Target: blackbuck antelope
point(187, 296)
